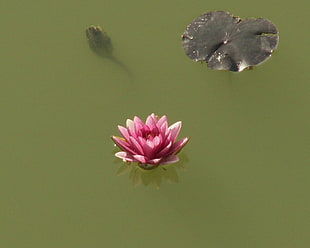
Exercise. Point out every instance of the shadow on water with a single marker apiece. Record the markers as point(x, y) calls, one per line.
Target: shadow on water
point(122, 68)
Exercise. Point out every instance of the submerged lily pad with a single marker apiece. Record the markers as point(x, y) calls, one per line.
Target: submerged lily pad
point(226, 42)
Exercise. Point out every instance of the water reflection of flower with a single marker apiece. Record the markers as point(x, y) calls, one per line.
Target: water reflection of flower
point(154, 177)
point(152, 146)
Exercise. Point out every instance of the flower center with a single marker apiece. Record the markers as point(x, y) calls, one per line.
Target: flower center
point(148, 134)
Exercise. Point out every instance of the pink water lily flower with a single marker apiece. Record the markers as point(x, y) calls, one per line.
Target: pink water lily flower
point(151, 143)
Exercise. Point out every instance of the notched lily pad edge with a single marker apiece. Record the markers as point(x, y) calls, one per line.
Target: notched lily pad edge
point(220, 56)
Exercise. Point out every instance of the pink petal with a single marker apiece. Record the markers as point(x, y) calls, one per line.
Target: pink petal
point(122, 144)
point(157, 141)
point(160, 140)
point(119, 141)
point(154, 161)
point(167, 139)
point(162, 121)
point(148, 149)
point(151, 147)
point(169, 160)
point(130, 128)
point(140, 158)
point(135, 145)
point(154, 117)
point(176, 148)
point(124, 132)
point(150, 144)
point(151, 121)
point(175, 129)
point(141, 141)
point(124, 156)
point(165, 150)
point(131, 132)
point(138, 124)
point(163, 128)
point(129, 124)
point(167, 132)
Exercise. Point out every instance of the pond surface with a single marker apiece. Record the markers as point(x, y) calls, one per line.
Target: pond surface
point(246, 182)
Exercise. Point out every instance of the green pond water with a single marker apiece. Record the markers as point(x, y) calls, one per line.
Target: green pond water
point(246, 182)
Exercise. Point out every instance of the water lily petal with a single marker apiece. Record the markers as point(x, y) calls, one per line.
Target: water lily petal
point(167, 139)
point(151, 121)
point(129, 124)
point(150, 144)
point(175, 129)
point(152, 147)
point(162, 121)
point(138, 124)
point(130, 128)
point(140, 158)
point(124, 156)
point(161, 139)
point(177, 146)
point(148, 149)
point(165, 150)
point(169, 160)
point(141, 141)
point(136, 146)
point(163, 127)
point(156, 141)
point(154, 161)
point(122, 144)
point(124, 132)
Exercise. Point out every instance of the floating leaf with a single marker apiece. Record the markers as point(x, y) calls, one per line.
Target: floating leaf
point(226, 42)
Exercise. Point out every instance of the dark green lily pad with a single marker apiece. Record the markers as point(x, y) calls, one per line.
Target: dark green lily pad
point(226, 42)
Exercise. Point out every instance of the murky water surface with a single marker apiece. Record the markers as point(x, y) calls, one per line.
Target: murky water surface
point(247, 163)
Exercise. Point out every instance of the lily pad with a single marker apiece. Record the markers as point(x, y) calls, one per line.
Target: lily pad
point(226, 42)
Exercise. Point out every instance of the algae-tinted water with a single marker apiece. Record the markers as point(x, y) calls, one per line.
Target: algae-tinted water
point(247, 175)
